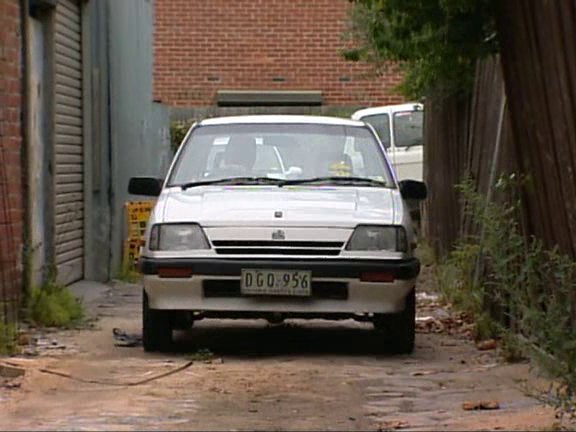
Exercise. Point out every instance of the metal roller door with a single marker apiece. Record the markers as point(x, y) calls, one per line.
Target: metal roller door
point(69, 148)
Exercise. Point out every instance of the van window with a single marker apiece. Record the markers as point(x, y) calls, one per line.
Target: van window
point(381, 123)
point(408, 127)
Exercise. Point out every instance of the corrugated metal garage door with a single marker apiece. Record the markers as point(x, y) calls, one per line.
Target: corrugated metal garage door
point(69, 149)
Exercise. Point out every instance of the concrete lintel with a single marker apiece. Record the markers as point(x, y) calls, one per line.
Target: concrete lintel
point(269, 97)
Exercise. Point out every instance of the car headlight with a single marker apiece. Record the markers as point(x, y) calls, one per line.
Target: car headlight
point(378, 238)
point(177, 237)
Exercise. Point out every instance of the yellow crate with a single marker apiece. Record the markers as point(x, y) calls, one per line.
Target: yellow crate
point(132, 250)
point(138, 210)
point(138, 213)
point(136, 229)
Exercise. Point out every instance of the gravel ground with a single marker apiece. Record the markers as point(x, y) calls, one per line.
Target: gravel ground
point(250, 375)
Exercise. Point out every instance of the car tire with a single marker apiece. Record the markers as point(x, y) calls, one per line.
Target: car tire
point(181, 320)
point(399, 328)
point(156, 327)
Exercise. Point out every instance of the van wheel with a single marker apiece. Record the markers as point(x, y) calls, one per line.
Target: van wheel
point(156, 327)
point(399, 328)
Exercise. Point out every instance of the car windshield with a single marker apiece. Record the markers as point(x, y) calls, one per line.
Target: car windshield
point(408, 128)
point(271, 153)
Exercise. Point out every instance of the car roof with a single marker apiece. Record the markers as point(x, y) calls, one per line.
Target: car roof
point(283, 118)
point(386, 109)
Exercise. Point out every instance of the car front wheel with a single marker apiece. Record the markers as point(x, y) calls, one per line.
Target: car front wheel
point(156, 327)
point(399, 328)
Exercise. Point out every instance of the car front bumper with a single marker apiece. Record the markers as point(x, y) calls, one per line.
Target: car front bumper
point(336, 285)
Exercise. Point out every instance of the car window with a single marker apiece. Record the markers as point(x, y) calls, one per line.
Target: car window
point(284, 151)
point(381, 124)
point(408, 128)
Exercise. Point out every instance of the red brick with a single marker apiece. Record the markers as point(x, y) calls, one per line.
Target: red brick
point(245, 43)
point(11, 194)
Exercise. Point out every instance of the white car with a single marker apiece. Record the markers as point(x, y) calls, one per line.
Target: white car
point(400, 129)
point(299, 217)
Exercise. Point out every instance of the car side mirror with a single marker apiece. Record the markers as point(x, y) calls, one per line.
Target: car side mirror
point(149, 186)
point(413, 190)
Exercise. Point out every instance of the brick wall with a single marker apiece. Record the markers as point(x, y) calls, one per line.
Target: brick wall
point(11, 197)
point(202, 46)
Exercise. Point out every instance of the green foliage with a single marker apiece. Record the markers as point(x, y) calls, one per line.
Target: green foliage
point(520, 290)
point(128, 272)
point(457, 286)
point(53, 305)
point(178, 130)
point(8, 338)
point(455, 279)
point(425, 253)
point(202, 355)
point(436, 42)
point(513, 349)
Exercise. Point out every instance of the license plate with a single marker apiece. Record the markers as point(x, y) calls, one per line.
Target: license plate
point(276, 282)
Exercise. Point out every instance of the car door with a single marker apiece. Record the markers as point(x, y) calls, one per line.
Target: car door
point(382, 125)
point(408, 146)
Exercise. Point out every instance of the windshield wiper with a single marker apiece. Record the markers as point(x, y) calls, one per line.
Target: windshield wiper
point(355, 181)
point(231, 181)
point(340, 180)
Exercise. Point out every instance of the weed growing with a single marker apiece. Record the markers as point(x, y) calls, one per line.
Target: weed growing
point(128, 272)
point(53, 305)
point(516, 289)
point(8, 338)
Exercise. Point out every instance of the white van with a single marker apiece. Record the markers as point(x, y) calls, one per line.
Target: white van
point(400, 130)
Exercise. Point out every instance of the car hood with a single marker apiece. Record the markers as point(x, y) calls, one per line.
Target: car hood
point(214, 206)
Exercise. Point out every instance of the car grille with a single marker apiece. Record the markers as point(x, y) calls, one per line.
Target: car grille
point(319, 290)
point(306, 248)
